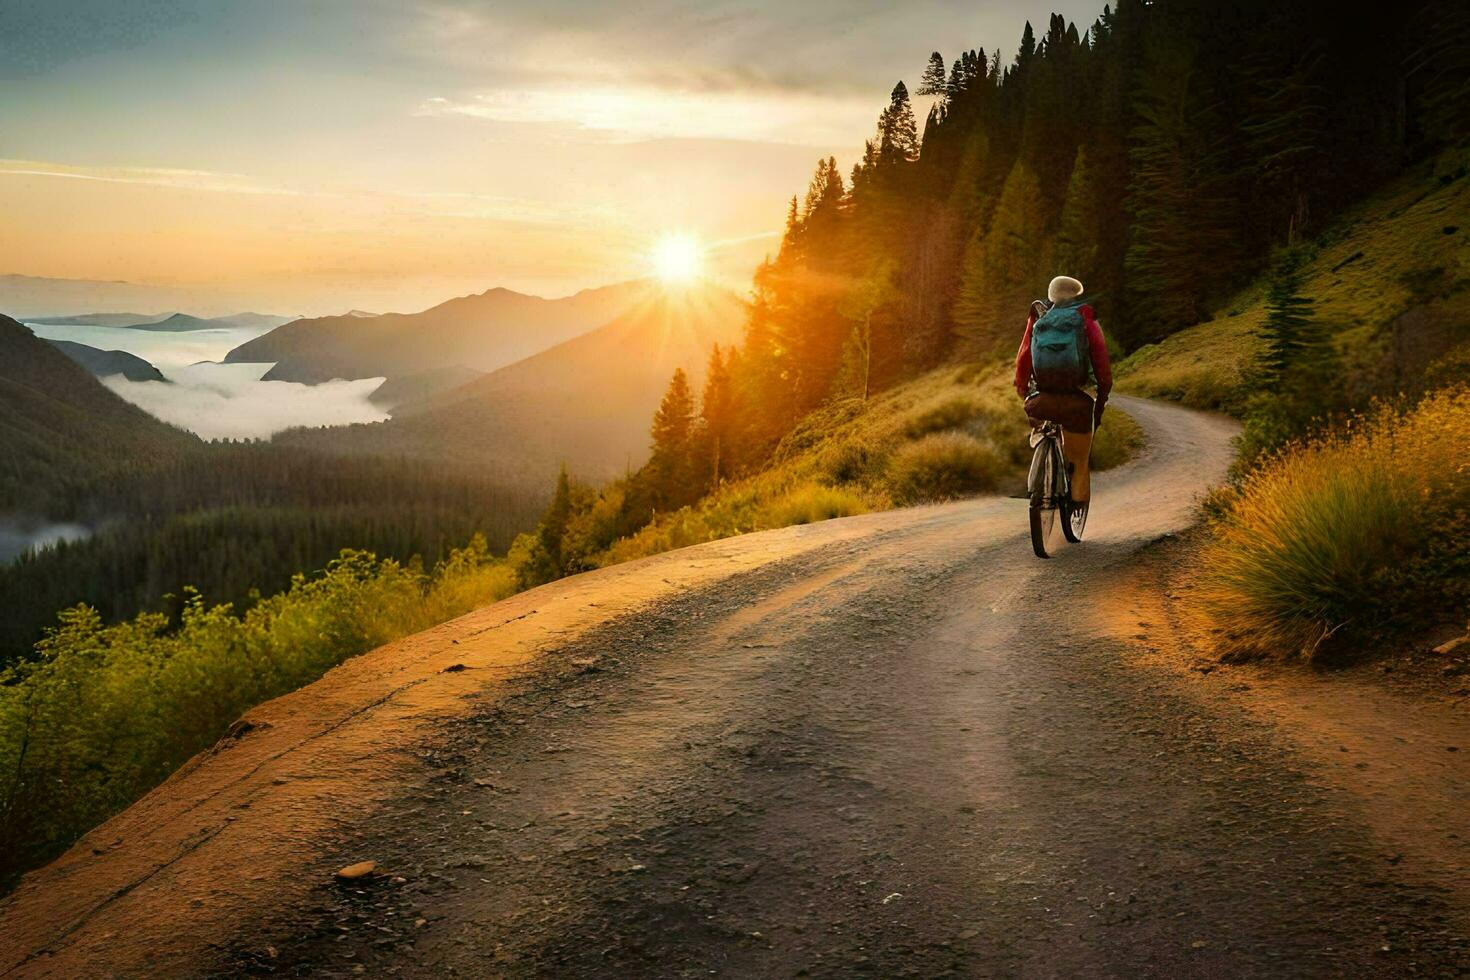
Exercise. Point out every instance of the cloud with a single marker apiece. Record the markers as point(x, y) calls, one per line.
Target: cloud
point(231, 401)
point(635, 113)
point(196, 180)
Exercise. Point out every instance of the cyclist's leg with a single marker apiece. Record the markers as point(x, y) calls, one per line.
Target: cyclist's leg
point(1077, 446)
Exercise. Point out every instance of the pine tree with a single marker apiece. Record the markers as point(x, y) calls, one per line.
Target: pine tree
point(1003, 268)
point(1077, 240)
point(1180, 234)
point(1299, 366)
point(717, 417)
point(1027, 53)
point(1286, 332)
point(933, 82)
point(898, 130)
point(671, 463)
point(553, 528)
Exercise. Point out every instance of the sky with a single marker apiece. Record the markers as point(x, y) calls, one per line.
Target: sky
point(312, 156)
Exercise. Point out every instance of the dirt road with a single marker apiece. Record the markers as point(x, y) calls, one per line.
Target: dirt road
point(896, 745)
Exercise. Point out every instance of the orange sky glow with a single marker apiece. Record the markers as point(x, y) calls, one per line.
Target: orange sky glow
point(316, 157)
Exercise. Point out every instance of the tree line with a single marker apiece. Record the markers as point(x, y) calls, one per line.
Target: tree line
point(1162, 156)
point(237, 521)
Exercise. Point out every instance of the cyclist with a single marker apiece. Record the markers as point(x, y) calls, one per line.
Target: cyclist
point(1054, 363)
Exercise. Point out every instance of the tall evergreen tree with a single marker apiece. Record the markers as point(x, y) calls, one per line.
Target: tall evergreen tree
point(1078, 237)
point(1003, 269)
point(717, 417)
point(1180, 231)
point(933, 82)
point(898, 131)
point(1027, 52)
point(1287, 140)
point(671, 463)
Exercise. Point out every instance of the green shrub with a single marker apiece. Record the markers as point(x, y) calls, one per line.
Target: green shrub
point(107, 712)
point(1356, 533)
point(943, 466)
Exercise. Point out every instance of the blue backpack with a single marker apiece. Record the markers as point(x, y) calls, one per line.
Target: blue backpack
point(1060, 360)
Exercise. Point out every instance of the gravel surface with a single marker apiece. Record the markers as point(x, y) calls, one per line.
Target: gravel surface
point(908, 753)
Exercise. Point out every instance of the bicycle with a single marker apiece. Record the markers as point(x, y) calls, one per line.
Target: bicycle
point(1049, 488)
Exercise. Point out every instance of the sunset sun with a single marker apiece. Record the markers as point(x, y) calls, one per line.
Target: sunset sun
point(678, 258)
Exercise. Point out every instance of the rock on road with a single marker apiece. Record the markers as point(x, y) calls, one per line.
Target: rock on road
point(892, 745)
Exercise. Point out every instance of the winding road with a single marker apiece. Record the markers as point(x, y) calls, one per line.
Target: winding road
point(891, 745)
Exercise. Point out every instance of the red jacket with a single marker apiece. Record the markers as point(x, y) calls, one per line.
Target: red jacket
point(1097, 348)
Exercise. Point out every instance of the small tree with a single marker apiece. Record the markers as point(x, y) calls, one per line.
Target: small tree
point(933, 82)
point(1299, 365)
point(541, 557)
point(1288, 315)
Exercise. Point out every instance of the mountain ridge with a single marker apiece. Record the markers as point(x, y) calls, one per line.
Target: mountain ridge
point(483, 331)
point(106, 363)
point(585, 402)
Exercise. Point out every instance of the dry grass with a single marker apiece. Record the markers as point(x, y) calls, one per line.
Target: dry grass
point(1356, 533)
point(952, 432)
point(943, 466)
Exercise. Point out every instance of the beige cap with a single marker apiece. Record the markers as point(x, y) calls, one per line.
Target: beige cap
point(1063, 288)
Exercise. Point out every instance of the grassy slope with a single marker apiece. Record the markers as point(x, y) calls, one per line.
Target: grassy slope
point(1389, 275)
point(951, 432)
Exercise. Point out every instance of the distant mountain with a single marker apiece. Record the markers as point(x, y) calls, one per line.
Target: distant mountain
point(253, 321)
point(483, 332)
point(181, 323)
point(59, 427)
point(423, 385)
point(28, 297)
point(587, 402)
point(167, 322)
point(105, 363)
point(99, 319)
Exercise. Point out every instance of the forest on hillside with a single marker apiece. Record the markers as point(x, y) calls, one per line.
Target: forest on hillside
point(237, 521)
point(1166, 155)
point(1160, 156)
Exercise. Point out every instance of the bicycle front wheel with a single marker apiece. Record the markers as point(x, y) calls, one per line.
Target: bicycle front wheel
point(1041, 484)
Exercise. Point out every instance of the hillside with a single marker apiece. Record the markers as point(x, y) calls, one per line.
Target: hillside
point(59, 427)
point(407, 388)
point(105, 363)
point(586, 402)
point(1389, 277)
point(483, 333)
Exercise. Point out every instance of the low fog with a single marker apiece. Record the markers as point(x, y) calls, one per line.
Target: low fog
point(17, 536)
point(230, 401)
